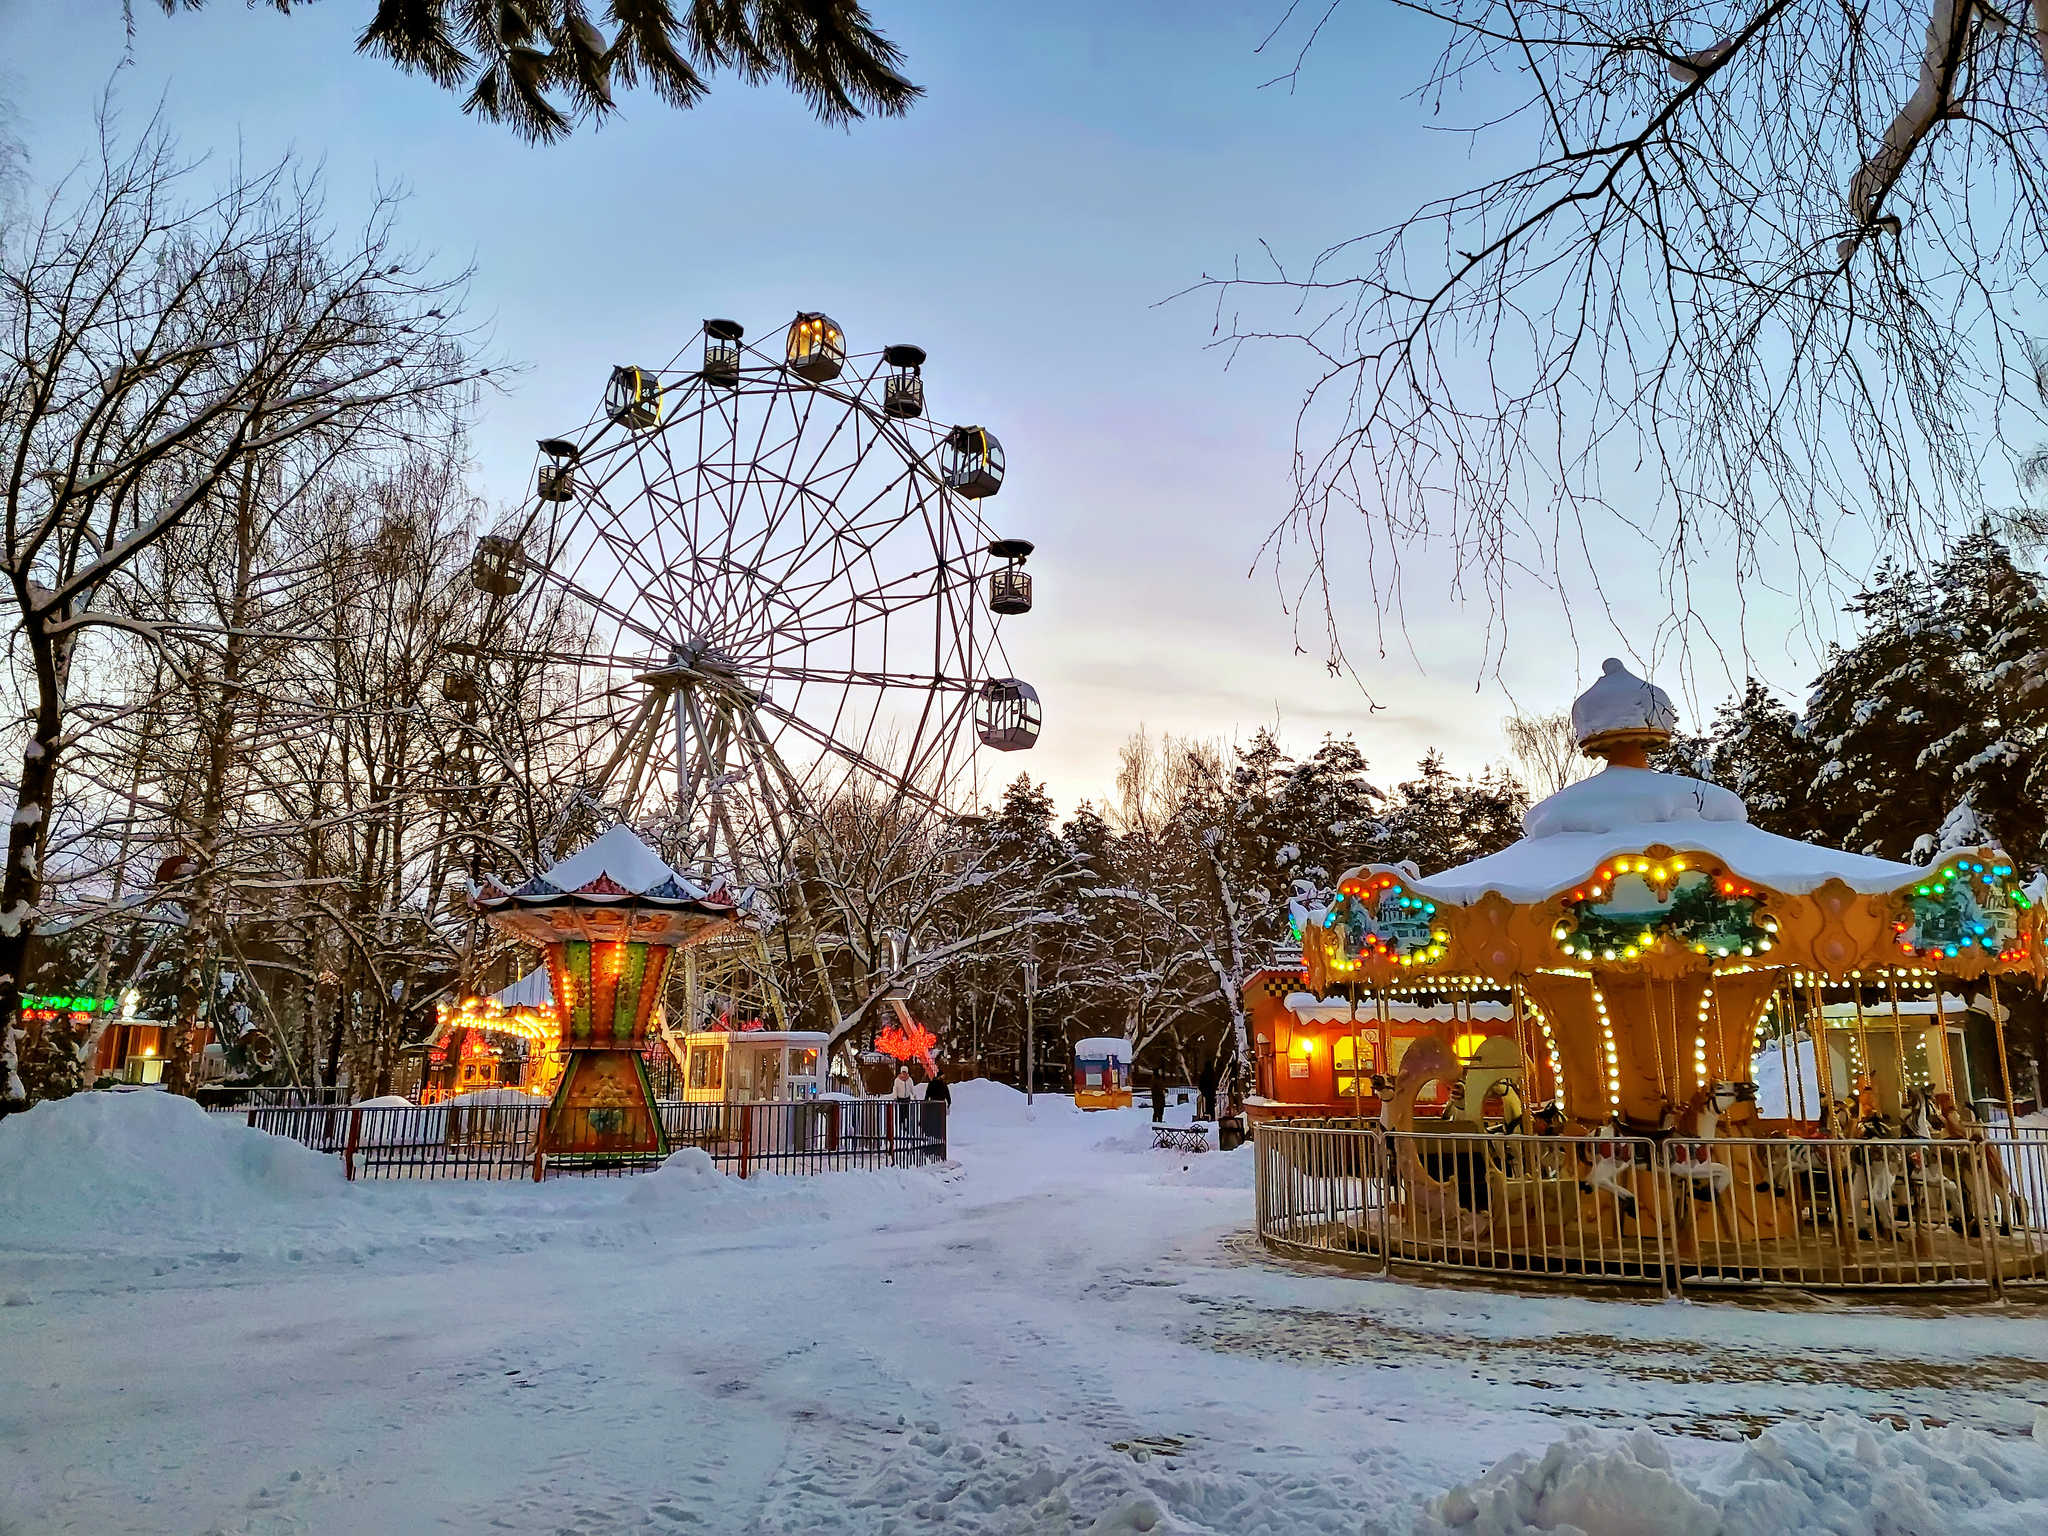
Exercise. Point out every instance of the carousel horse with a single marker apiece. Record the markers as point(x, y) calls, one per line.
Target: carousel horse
point(1697, 1165)
point(2007, 1208)
point(1877, 1169)
point(1930, 1187)
point(1547, 1123)
point(1427, 1060)
point(1800, 1172)
point(1602, 1161)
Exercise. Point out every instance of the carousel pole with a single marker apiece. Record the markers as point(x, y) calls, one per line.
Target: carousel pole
point(1899, 1058)
point(1869, 1061)
point(1522, 1050)
point(1678, 1050)
point(1384, 1055)
point(1357, 1093)
point(1785, 1058)
point(1656, 1039)
point(1816, 1030)
point(1788, 1025)
point(1948, 1066)
point(2012, 1119)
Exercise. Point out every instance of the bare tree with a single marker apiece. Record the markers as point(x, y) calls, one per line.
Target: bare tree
point(1547, 748)
point(1755, 266)
point(157, 344)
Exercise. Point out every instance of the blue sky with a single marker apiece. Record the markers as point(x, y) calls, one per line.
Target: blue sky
point(1072, 167)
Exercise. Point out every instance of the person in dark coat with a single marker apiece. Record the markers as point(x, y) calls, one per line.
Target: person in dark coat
point(1158, 1100)
point(937, 1092)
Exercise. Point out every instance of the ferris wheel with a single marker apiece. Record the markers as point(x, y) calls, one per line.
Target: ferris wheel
point(786, 588)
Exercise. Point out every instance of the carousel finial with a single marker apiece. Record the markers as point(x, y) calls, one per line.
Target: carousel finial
point(1621, 717)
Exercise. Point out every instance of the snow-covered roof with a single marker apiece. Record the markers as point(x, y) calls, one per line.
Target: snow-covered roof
point(1097, 1047)
point(615, 866)
point(1621, 701)
point(533, 990)
point(1624, 810)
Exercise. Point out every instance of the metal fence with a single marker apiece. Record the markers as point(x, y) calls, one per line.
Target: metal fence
point(1666, 1213)
point(221, 1100)
point(502, 1141)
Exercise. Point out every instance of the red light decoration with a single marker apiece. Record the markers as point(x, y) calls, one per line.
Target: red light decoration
point(914, 1043)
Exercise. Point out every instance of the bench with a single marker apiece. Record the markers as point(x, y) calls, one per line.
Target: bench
point(1180, 1138)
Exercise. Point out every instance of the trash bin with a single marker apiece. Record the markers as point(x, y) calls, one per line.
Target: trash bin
point(1230, 1132)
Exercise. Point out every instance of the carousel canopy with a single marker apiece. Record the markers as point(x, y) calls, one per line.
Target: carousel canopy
point(611, 868)
point(614, 888)
point(1623, 810)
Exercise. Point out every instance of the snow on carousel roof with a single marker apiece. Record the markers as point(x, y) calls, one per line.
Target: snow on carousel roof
point(1619, 701)
point(1625, 810)
point(614, 867)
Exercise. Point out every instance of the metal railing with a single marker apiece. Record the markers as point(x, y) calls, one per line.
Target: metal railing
point(1670, 1213)
point(221, 1100)
point(503, 1141)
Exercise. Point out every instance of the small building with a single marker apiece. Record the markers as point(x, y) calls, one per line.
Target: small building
point(130, 1049)
point(749, 1066)
point(1102, 1073)
point(1320, 1056)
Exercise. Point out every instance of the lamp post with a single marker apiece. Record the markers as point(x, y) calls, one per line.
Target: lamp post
point(1030, 1030)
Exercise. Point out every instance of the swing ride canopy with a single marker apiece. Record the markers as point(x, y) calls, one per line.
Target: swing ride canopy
point(1647, 925)
point(615, 888)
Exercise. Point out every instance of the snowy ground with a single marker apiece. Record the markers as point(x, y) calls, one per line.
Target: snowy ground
point(207, 1331)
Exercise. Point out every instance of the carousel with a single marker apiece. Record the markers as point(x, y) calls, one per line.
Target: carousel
point(609, 919)
point(1621, 977)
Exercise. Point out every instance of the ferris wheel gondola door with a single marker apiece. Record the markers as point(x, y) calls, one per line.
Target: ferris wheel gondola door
point(1007, 715)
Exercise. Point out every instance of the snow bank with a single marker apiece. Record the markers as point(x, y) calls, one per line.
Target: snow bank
point(151, 1173)
point(99, 1162)
point(980, 1102)
point(1842, 1475)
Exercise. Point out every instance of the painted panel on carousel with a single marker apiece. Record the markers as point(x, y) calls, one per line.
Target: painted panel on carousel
point(1378, 919)
point(1968, 903)
point(1638, 906)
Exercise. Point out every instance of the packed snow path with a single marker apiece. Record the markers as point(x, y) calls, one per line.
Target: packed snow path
point(208, 1331)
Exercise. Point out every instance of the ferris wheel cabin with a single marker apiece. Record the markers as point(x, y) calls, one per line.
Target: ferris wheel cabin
point(1007, 715)
point(903, 390)
point(973, 462)
point(1009, 589)
point(558, 476)
point(722, 352)
point(633, 398)
point(498, 566)
point(817, 348)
